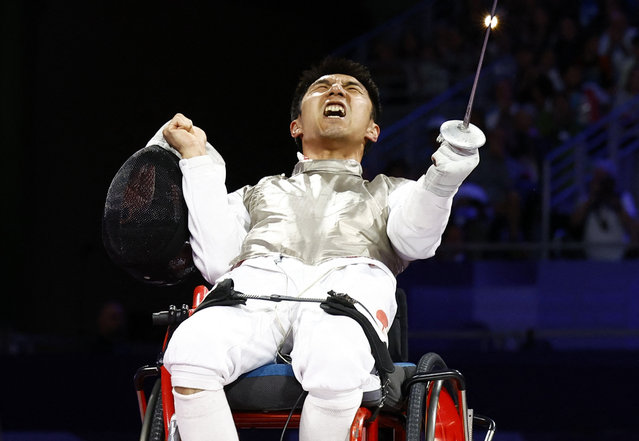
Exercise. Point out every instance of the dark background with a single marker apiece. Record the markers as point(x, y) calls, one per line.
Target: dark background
point(84, 86)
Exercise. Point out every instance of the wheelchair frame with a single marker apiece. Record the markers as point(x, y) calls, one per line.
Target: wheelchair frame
point(445, 410)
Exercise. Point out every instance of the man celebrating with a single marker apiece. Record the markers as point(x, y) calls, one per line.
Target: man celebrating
point(323, 228)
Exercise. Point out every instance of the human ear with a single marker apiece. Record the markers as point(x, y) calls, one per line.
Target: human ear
point(296, 129)
point(372, 133)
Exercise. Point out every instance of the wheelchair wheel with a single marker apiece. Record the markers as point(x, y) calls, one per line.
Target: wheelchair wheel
point(153, 424)
point(417, 396)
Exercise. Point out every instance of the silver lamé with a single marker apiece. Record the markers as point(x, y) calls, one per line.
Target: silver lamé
point(325, 210)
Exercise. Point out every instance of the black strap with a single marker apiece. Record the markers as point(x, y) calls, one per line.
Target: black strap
point(342, 304)
point(222, 295)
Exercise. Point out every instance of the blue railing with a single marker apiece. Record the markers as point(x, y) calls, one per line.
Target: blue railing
point(615, 137)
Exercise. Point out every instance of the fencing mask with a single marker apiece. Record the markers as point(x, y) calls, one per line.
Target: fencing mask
point(144, 225)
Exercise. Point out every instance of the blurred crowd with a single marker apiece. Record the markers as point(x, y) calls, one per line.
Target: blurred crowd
point(558, 68)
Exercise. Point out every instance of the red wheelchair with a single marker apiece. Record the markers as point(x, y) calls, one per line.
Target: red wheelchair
point(424, 401)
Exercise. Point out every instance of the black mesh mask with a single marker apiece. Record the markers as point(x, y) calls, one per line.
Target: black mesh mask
point(144, 226)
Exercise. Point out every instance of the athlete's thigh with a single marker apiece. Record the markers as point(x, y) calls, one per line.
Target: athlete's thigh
point(330, 353)
point(220, 343)
point(371, 286)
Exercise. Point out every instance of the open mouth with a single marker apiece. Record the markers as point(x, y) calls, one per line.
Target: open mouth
point(334, 111)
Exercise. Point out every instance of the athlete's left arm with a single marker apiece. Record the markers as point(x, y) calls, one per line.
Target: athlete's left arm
point(419, 211)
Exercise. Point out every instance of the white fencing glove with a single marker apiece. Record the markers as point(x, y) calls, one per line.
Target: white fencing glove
point(451, 165)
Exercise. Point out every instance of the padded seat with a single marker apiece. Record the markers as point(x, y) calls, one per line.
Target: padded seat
point(273, 387)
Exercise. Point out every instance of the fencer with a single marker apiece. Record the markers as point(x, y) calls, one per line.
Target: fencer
point(322, 228)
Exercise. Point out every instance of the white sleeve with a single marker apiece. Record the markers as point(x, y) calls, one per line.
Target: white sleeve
point(218, 222)
point(417, 220)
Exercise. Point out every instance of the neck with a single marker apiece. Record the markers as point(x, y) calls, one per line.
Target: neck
point(328, 151)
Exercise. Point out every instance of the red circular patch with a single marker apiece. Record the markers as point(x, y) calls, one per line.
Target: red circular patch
point(381, 316)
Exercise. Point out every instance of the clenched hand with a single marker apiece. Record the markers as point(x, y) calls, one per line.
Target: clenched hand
point(184, 137)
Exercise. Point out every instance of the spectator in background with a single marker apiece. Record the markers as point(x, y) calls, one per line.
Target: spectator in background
point(111, 328)
point(428, 78)
point(594, 67)
point(453, 53)
point(524, 156)
point(494, 177)
point(470, 222)
point(388, 66)
point(615, 43)
point(588, 100)
point(628, 85)
point(567, 42)
point(499, 114)
point(606, 221)
point(564, 121)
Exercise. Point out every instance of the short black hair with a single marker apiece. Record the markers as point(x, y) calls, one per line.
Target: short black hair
point(335, 65)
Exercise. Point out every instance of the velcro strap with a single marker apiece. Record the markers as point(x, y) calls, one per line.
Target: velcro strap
point(222, 295)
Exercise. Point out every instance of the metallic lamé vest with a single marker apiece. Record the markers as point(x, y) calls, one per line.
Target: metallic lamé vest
point(323, 211)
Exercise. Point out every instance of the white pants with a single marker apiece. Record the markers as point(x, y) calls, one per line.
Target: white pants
point(330, 354)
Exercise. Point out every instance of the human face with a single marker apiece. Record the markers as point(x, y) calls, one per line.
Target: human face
point(335, 119)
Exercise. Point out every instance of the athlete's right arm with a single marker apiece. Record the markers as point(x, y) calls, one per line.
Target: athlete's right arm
point(218, 221)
